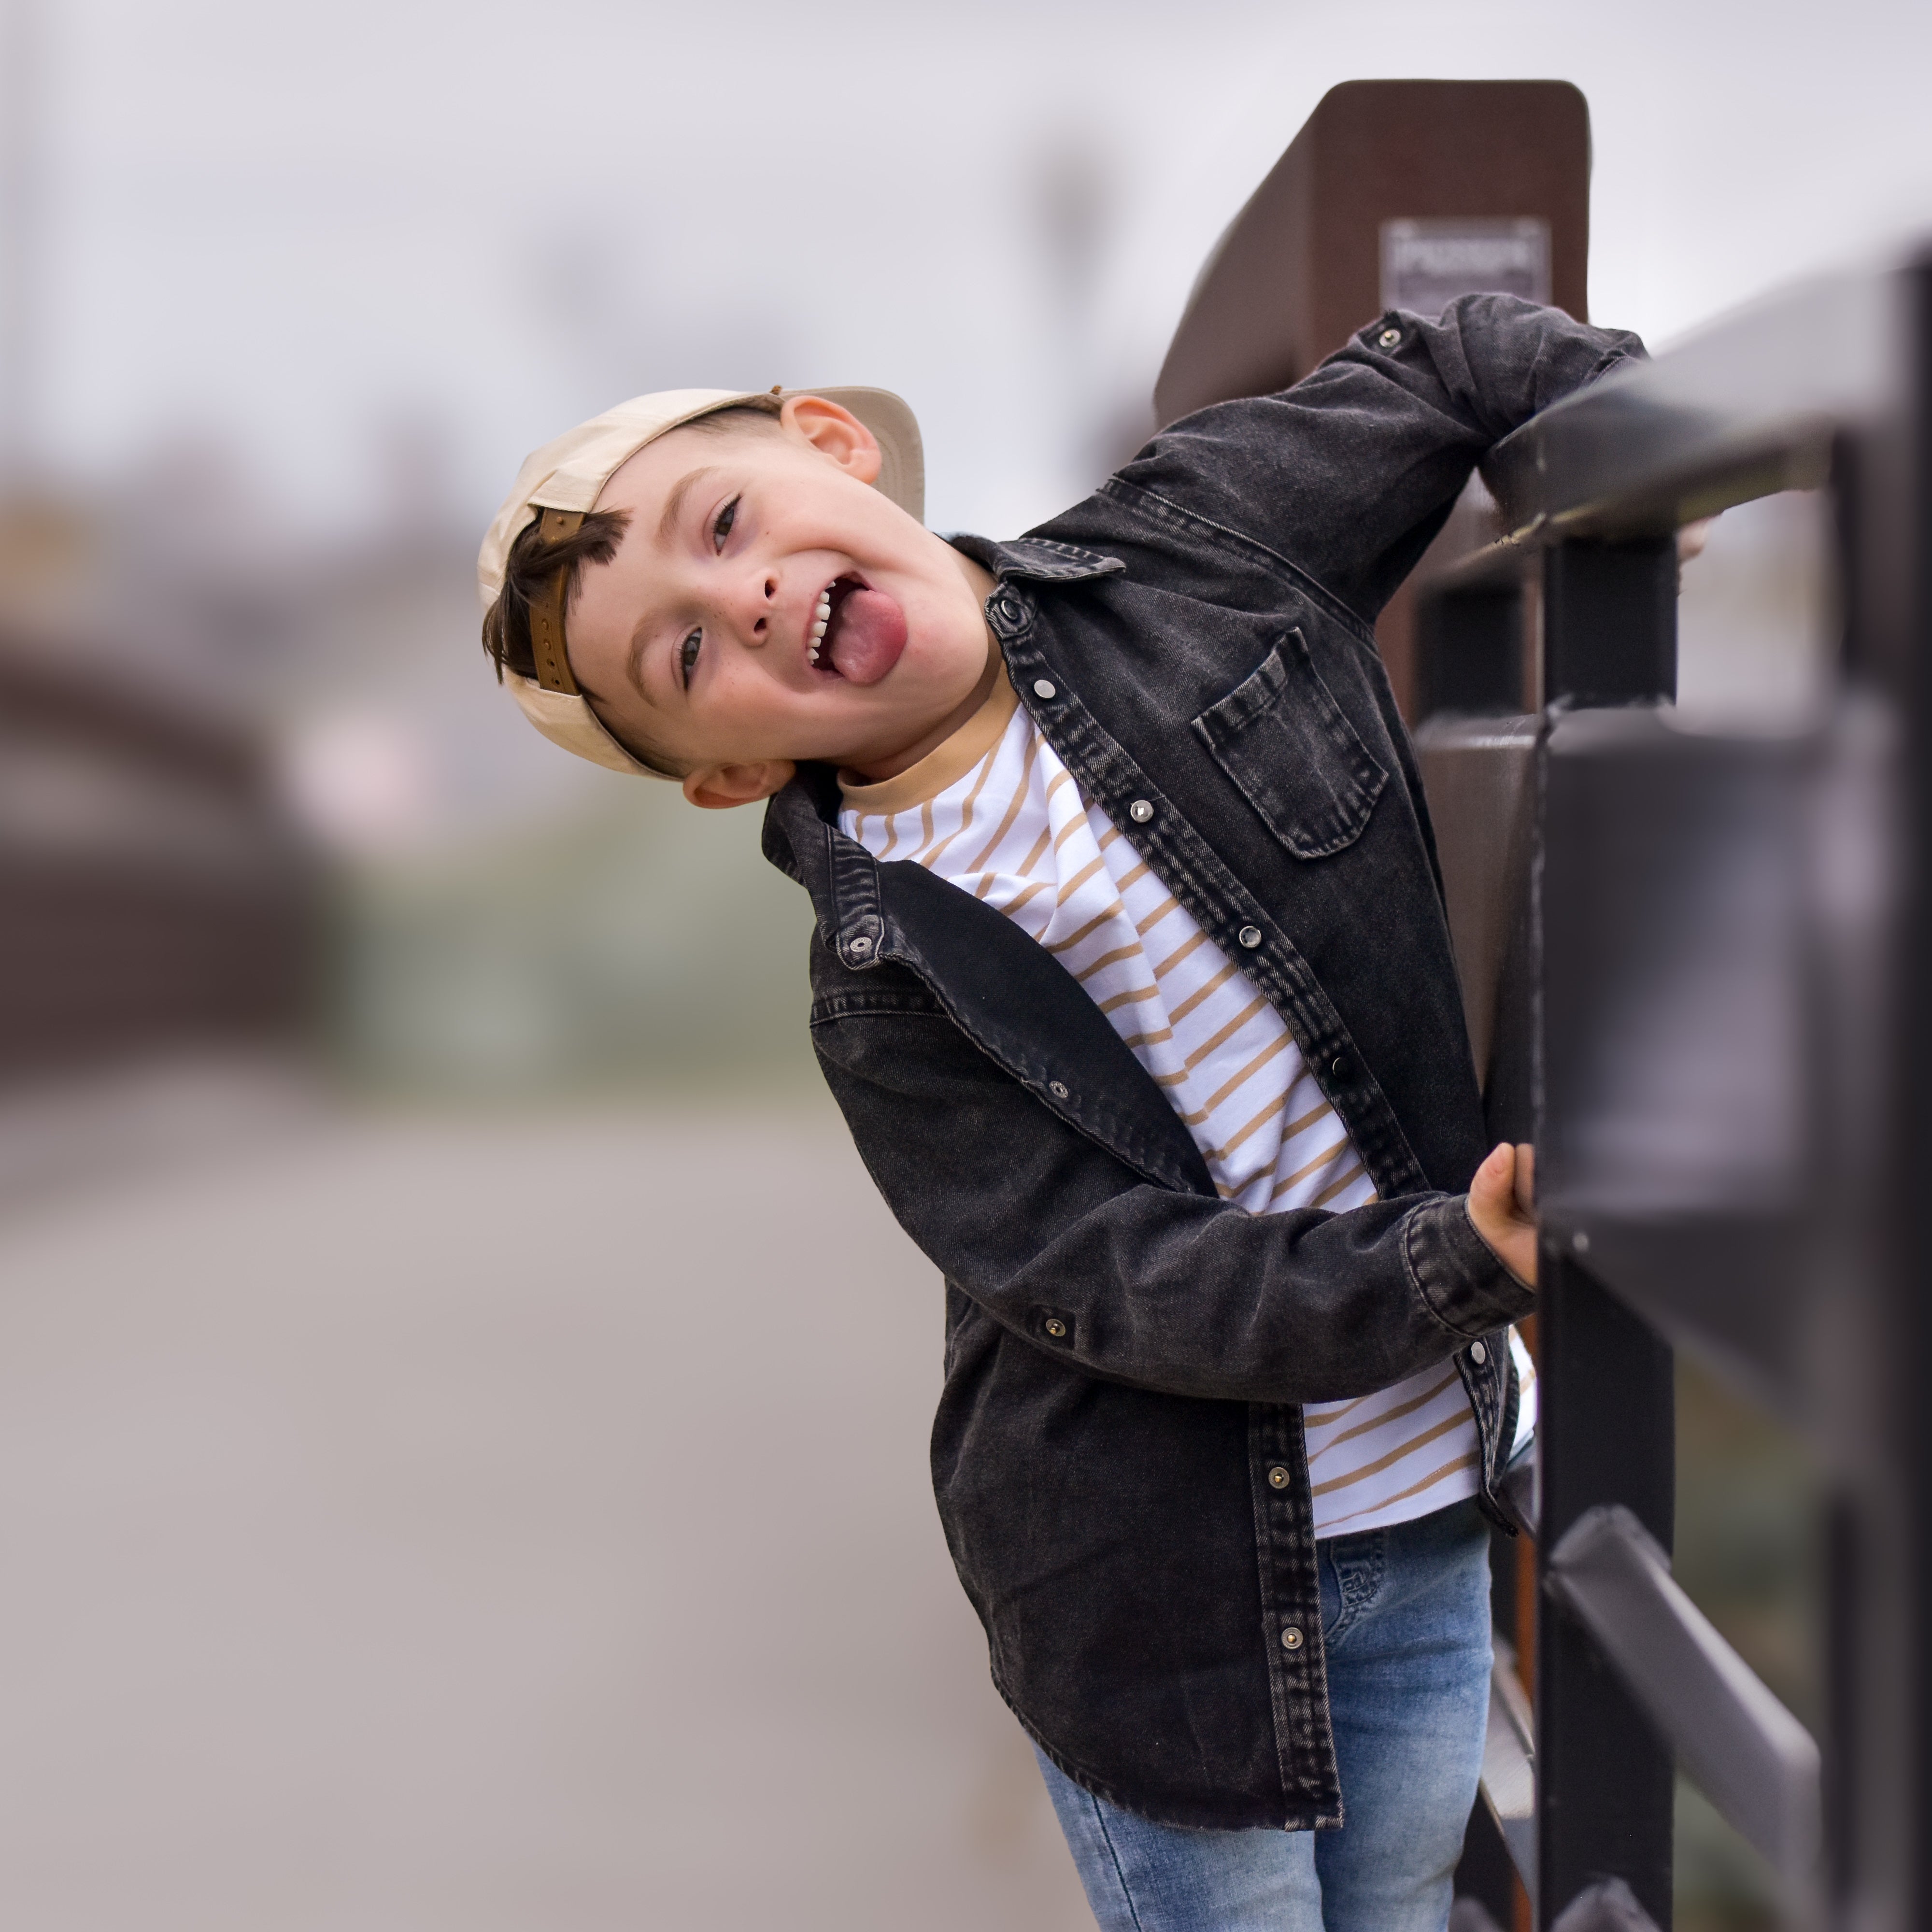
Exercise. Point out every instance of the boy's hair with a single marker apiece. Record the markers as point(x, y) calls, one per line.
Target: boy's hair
point(534, 562)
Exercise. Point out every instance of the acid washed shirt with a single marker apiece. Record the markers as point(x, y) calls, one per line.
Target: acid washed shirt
point(1119, 1455)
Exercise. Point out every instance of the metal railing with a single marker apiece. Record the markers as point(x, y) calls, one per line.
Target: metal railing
point(1695, 963)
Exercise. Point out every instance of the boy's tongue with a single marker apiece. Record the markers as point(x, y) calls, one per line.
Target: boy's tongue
point(867, 633)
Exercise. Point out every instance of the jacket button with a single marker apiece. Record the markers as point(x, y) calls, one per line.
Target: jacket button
point(1292, 1638)
point(1250, 936)
point(1478, 1354)
point(1056, 1327)
point(1058, 1088)
point(1140, 811)
point(861, 944)
point(1338, 1067)
point(1045, 687)
point(1278, 1477)
point(1389, 337)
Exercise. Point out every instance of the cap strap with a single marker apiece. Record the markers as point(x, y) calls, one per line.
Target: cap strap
point(552, 661)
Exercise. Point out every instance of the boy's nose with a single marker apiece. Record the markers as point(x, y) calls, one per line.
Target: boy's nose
point(761, 613)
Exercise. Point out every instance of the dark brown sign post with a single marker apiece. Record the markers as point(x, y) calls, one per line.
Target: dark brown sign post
point(1396, 194)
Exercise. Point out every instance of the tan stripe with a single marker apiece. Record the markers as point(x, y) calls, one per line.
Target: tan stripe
point(1170, 1079)
point(892, 827)
point(1133, 877)
point(1067, 891)
point(1108, 837)
point(1335, 1187)
point(1247, 1072)
point(1347, 1409)
point(1307, 1168)
point(1020, 898)
point(1387, 1416)
point(1152, 1039)
point(1112, 959)
point(1067, 831)
point(1435, 1476)
point(1093, 925)
point(1180, 952)
point(1129, 998)
point(933, 857)
point(1294, 1127)
point(1260, 1120)
point(1019, 799)
point(1060, 778)
point(1395, 1455)
point(1233, 1026)
point(1200, 993)
point(1033, 857)
point(1154, 918)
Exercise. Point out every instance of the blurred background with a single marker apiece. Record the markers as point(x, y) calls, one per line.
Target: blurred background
point(462, 1410)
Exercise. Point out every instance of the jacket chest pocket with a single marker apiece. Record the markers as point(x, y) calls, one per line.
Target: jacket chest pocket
point(1285, 741)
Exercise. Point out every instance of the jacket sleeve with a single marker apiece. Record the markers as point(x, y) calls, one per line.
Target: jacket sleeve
point(1062, 1242)
point(1349, 474)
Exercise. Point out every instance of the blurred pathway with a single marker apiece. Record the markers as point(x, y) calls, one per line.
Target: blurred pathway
point(513, 1525)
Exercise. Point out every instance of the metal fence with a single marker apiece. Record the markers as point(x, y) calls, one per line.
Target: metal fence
point(1694, 959)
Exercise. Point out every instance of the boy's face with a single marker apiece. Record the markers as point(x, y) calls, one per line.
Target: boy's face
point(696, 638)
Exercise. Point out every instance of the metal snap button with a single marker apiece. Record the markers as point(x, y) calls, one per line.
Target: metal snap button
point(1056, 1327)
point(1058, 1088)
point(1045, 687)
point(861, 944)
point(1292, 1638)
point(1140, 811)
point(1278, 1477)
point(1478, 1354)
point(1338, 1067)
point(1580, 1242)
point(1389, 337)
point(1250, 937)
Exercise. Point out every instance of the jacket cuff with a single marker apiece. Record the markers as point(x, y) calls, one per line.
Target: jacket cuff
point(1455, 1273)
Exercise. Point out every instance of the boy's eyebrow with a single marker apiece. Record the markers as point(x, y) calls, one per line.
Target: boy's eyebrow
point(674, 507)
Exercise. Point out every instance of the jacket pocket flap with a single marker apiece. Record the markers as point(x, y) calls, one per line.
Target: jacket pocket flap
point(1281, 737)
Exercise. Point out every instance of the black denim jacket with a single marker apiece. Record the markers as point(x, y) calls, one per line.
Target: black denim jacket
point(1117, 1454)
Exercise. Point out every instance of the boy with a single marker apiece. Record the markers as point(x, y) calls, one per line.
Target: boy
point(1132, 978)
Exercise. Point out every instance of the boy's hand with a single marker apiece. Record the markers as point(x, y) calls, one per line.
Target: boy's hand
point(1502, 1208)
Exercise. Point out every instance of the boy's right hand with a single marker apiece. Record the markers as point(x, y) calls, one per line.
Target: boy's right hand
point(1502, 1208)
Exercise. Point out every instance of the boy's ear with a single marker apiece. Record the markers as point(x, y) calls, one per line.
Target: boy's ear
point(718, 788)
point(834, 432)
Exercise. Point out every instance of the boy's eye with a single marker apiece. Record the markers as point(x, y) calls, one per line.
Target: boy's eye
point(687, 657)
point(720, 524)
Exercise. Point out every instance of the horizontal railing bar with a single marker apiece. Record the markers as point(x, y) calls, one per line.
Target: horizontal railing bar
point(1749, 406)
point(1607, 1906)
point(1754, 1761)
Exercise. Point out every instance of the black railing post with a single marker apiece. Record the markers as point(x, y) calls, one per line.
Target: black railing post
point(1607, 1419)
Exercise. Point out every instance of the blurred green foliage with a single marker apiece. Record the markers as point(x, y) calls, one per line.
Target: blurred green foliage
point(640, 943)
point(1750, 1551)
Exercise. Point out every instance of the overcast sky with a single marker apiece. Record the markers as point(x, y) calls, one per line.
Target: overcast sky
point(315, 233)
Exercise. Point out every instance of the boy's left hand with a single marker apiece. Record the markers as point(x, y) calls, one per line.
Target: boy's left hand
point(1502, 1208)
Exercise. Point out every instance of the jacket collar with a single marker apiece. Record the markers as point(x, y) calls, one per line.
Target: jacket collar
point(1036, 559)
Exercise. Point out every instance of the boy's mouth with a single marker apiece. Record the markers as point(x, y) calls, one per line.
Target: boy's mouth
point(856, 632)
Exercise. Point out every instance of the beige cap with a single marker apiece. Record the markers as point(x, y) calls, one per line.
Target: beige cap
point(562, 481)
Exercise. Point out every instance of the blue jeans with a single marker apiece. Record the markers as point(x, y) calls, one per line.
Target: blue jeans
point(1406, 1620)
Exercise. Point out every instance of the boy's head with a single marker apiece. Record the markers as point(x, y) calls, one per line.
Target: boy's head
point(711, 586)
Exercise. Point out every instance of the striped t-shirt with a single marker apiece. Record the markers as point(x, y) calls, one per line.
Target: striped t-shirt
point(994, 811)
